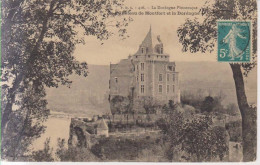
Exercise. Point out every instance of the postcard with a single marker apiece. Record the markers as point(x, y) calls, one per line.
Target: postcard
point(129, 81)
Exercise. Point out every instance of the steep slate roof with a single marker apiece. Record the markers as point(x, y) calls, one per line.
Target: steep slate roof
point(149, 42)
point(102, 124)
point(123, 68)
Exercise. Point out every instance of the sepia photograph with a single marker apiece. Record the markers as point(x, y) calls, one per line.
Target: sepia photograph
point(128, 81)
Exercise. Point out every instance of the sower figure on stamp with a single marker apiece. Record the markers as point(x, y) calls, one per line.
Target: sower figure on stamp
point(234, 51)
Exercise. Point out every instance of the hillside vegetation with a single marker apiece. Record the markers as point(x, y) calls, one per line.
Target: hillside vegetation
point(89, 95)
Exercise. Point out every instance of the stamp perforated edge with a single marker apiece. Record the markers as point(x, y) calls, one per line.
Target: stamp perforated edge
point(251, 41)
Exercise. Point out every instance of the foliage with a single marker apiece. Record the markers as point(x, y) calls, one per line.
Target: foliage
point(119, 105)
point(194, 99)
point(201, 36)
point(232, 109)
point(204, 142)
point(207, 104)
point(74, 154)
point(37, 51)
point(44, 155)
point(147, 105)
point(25, 123)
point(153, 154)
point(196, 137)
point(125, 105)
point(234, 129)
point(122, 149)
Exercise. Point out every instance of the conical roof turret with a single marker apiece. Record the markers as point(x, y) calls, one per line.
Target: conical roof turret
point(148, 42)
point(102, 124)
point(150, 45)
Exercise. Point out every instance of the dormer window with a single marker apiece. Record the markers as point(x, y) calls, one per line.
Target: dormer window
point(161, 51)
point(143, 50)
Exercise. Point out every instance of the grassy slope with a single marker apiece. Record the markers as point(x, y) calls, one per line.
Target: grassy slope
point(210, 77)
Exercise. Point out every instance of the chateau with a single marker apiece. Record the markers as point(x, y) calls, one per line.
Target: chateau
point(147, 73)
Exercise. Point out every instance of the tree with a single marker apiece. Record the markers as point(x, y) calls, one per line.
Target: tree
point(207, 104)
point(212, 104)
point(24, 124)
point(74, 154)
point(204, 142)
point(196, 36)
point(194, 99)
point(149, 104)
point(171, 125)
point(37, 52)
point(232, 109)
point(44, 155)
point(119, 105)
point(192, 139)
point(197, 137)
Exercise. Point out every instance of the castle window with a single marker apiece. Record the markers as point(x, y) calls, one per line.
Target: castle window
point(142, 77)
point(142, 66)
point(173, 77)
point(168, 88)
point(168, 77)
point(161, 50)
point(142, 88)
point(161, 56)
point(136, 78)
point(160, 77)
point(143, 51)
point(116, 79)
point(160, 88)
point(157, 56)
point(173, 88)
point(170, 68)
point(135, 56)
point(148, 56)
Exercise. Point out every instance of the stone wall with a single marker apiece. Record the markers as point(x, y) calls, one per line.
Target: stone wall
point(79, 136)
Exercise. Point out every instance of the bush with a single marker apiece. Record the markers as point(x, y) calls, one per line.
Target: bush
point(121, 149)
point(44, 155)
point(235, 130)
point(75, 154)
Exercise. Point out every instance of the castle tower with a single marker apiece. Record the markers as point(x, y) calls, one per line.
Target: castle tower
point(149, 71)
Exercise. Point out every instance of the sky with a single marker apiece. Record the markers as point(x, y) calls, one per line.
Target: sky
point(114, 49)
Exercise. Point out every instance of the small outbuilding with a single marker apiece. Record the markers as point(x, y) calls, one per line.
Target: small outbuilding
point(102, 128)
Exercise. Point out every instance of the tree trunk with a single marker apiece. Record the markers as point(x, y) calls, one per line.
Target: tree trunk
point(13, 91)
point(248, 115)
point(113, 117)
point(10, 101)
point(127, 119)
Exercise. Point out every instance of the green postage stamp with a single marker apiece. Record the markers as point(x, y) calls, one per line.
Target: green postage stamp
point(234, 41)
